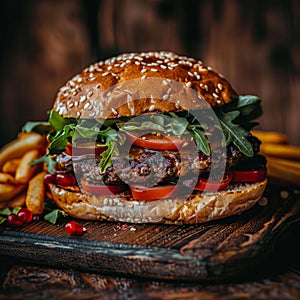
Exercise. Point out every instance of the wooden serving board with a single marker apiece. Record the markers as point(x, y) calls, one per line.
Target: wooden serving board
point(227, 248)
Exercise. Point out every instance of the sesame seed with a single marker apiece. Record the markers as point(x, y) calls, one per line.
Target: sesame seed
point(177, 105)
point(166, 97)
point(170, 90)
point(64, 89)
point(143, 70)
point(98, 86)
point(90, 94)
point(143, 77)
point(217, 90)
point(109, 68)
point(215, 95)
point(219, 101)
point(163, 66)
point(87, 105)
point(188, 84)
point(114, 111)
point(191, 74)
point(165, 82)
point(220, 86)
point(105, 73)
point(151, 108)
point(153, 70)
point(137, 63)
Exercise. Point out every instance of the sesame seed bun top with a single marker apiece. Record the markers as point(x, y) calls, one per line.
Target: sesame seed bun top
point(135, 83)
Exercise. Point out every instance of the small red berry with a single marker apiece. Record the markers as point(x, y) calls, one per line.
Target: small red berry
point(65, 179)
point(124, 226)
point(13, 219)
point(74, 228)
point(49, 178)
point(25, 215)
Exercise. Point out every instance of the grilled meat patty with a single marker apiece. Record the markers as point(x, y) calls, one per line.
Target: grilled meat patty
point(149, 167)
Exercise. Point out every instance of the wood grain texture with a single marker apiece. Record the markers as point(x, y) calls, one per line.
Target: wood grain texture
point(35, 282)
point(228, 248)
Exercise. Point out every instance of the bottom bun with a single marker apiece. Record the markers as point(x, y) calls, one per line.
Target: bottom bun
point(197, 208)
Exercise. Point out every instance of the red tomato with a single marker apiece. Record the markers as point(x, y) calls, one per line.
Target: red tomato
point(84, 149)
point(250, 175)
point(158, 142)
point(211, 186)
point(102, 189)
point(154, 193)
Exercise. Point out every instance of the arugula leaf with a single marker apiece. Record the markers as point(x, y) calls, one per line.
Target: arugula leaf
point(200, 140)
point(106, 155)
point(58, 122)
point(235, 133)
point(53, 216)
point(249, 107)
point(45, 159)
point(5, 211)
point(39, 127)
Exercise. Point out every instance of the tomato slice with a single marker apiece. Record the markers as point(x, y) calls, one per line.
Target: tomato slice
point(250, 175)
point(213, 186)
point(154, 193)
point(102, 189)
point(157, 141)
point(84, 149)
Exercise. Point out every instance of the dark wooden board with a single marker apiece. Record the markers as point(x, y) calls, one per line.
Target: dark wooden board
point(222, 249)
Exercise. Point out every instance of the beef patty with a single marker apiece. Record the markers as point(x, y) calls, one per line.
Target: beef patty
point(149, 167)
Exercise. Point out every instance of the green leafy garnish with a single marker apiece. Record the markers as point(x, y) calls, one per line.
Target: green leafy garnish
point(54, 215)
point(235, 133)
point(235, 119)
point(50, 162)
point(39, 127)
point(173, 124)
point(5, 212)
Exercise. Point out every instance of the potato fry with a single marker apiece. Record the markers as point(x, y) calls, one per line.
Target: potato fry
point(271, 137)
point(36, 193)
point(288, 164)
point(283, 151)
point(11, 166)
point(24, 171)
point(9, 191)
point(19, 200)
point(283, 173)
point(18, 147)
point(7, 178)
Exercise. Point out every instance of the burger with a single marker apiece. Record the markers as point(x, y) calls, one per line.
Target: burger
point(153, 138)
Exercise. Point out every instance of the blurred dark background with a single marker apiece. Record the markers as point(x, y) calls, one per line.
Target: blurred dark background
point(255, 44)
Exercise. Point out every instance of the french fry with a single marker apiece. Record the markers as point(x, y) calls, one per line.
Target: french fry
point(9, 191)
point(283, 173)
point(271, 137)
point(24, 171)
point(18, 147)
point(11, 166)
point(36, 193)
point(283, 151)
point(288, 164)
point(7, 178)
point(19, 200)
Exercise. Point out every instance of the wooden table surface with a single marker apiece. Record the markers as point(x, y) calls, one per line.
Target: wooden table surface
point(269, 232)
